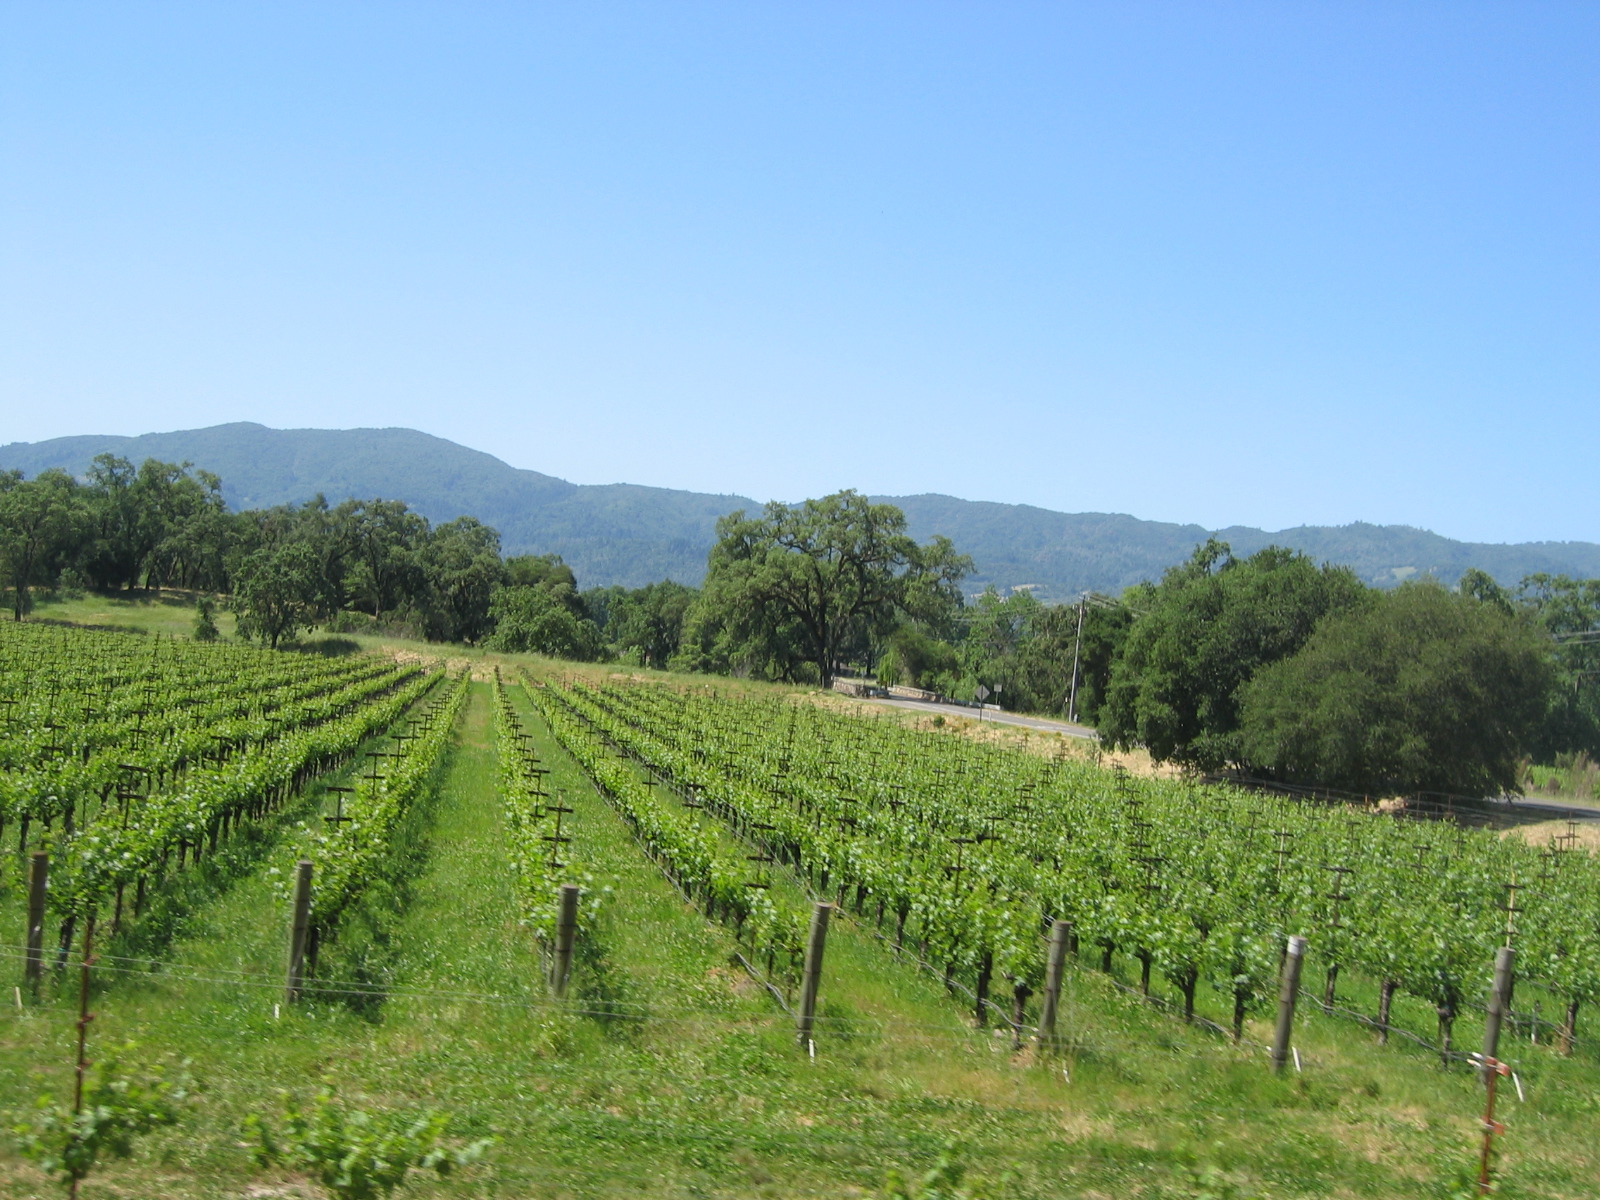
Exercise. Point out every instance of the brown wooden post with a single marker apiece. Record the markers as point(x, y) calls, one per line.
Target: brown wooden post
point(812, 977)
point(566, 934)
point(298, 931)
point(1055, 966)
point(1287, 993)
point(1569, 1027)
point(1499, 1003)
point(38, 882)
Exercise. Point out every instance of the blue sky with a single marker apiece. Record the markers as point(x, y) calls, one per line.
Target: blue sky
point(1263, 264)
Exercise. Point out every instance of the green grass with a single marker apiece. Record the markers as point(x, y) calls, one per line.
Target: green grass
point(669, 1073)
point(1572, 780)
point(169, 612)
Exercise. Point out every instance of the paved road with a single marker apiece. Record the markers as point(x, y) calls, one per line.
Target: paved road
point(1549, 808)
point(1521, 804)
point(1525, 805)
point(988, 714)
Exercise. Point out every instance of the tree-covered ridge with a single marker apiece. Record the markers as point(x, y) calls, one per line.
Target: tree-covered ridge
point(624, 534)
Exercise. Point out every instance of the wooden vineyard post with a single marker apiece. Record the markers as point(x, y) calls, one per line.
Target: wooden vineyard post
point(1055, 965)
point(1290, 989)
point(1499, 1002)
point(1569, 1027)
point(815, 941)
point(298, 931)
point(38, 877)
point(566, 934)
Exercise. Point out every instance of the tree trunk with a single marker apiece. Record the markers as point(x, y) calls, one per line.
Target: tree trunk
point(1019, 1011)
point(64, 947)
point(985, 971)
point(1385, 999)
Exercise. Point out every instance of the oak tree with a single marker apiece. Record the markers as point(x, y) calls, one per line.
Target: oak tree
point(811, 582)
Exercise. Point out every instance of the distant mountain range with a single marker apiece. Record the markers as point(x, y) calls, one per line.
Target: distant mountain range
point(631, 535)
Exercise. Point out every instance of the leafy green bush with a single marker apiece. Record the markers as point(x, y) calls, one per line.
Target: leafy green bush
point(205, 620)
point(116, 1109)
point(358, 1155)
point(944, 1181)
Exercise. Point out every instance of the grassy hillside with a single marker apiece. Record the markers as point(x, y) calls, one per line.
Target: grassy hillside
point(633, 535)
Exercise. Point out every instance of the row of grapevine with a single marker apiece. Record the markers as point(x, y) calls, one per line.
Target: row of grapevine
point(63, 751)
point(540, 834)
point(361, 833)
point(131, 758)
point(973, 849)
point(687, 851)
point(111, 685)
point(129, 842)
point(76, 790)
point(974, 925)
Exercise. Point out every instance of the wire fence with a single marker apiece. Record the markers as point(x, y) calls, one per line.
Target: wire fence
point(1073, 1033)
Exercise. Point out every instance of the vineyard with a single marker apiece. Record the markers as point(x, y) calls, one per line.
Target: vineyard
point(577, 913)
point(971, 852)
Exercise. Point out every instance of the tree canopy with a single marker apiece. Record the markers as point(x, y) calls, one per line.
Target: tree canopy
point(276, 592)
point(810, 584)
point(1568, 612)
point(531, 619)
point(38, 520)
point(1419, 689)
point(538, 609)
point(1201, 633)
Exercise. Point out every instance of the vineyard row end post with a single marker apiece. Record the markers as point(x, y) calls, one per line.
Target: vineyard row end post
point(1505, 960)
point(1288, 992)
point(566, 935)
point(815, 941)
point(1055, 966)
point(299, 930)
point(38, 882)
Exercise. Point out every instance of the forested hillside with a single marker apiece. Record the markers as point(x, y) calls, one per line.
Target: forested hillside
point(630, 535)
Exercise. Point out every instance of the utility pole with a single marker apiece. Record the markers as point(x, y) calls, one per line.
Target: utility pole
point(1077, 643)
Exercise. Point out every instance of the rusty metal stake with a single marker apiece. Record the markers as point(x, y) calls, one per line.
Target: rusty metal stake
point(1494, 1068)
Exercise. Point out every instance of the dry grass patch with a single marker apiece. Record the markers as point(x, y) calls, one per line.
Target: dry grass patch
point(1582, 834)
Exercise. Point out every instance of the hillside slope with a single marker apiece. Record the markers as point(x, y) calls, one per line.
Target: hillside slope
point(631, 535)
